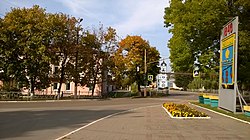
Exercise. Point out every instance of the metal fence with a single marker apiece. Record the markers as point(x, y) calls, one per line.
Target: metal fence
point(25, 96)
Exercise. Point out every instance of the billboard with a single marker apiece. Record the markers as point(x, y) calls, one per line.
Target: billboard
point(228, 65)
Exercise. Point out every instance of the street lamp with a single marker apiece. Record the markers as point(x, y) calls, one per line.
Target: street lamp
point(145, 73)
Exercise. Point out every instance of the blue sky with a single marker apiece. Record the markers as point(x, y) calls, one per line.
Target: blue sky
point(128, 17)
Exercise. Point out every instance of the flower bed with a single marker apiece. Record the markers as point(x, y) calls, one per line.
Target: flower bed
point(182, 111)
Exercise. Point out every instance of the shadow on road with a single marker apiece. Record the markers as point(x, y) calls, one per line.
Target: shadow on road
point(21, 123)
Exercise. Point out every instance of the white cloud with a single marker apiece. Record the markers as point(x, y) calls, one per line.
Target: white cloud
point(144, 15)
point(80, 7)
point(127, 16)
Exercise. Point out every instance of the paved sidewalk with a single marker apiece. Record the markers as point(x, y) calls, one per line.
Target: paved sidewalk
point(153, 123)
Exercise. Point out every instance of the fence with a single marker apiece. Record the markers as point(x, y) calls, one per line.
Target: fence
point(25, 96)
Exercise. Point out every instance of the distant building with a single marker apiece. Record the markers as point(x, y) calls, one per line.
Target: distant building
point(163, 67)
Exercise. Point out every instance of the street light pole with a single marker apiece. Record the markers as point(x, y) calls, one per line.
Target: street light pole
point(145, 72)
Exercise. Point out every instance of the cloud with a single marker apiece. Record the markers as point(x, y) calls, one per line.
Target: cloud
point(127, 16)
point(80, 8)
point(145, 15)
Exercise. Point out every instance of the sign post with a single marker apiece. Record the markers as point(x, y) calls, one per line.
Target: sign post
point(228, 65)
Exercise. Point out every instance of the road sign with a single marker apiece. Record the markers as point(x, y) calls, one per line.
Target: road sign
point(150, 77)
point(196, 73)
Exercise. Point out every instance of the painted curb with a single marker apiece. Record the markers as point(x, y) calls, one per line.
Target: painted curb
point(221, 114)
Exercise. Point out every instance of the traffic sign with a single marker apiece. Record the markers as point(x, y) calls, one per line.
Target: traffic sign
point(150, 77)
point(196, 73)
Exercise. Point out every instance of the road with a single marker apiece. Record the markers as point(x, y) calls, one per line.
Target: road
point(51, 120)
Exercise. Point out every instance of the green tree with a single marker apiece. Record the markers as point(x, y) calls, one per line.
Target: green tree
point(93, 63)
point(24, 35)
point(196, 26)
point(63, 45)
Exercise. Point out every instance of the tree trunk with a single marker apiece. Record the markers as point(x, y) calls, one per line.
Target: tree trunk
point(76, 76)
point(61, 77)
point(139, 87)
point(32, 86)
point(94, 83)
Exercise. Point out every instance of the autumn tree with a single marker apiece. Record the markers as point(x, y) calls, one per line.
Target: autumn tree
point(93, 62)
point(100, 45)
point(63, 45)
point(129, 60)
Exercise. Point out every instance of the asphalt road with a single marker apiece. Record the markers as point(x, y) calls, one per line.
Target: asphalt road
point(50, 120)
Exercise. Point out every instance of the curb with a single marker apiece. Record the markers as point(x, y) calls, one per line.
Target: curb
point(221, 114)
point(183, 117)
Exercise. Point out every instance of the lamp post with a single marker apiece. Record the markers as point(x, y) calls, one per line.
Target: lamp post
point(76, 63)
point(145, 73)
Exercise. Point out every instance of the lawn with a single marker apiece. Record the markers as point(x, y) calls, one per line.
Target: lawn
point(239, 116)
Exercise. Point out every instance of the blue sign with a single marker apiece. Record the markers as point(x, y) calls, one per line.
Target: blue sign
point(228, 60)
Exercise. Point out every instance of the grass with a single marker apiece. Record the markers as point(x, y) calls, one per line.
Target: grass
point(239, 116)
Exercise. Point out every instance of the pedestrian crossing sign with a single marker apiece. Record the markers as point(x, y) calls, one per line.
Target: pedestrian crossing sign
point(150, 78)
point(196, 73)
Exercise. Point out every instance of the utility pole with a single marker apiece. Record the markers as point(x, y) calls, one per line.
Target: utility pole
point(145, 72)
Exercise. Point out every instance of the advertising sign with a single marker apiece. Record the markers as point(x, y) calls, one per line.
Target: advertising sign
point(228, 47)
point(228, 65)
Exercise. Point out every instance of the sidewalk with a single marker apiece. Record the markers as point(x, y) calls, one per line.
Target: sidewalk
point(153, 123)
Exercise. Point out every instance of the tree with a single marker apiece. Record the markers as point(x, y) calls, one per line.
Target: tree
point(101, 45)
point(130, 56)
point(93, 63)
point(24, 35)
point(197, 24)
point(63, 45)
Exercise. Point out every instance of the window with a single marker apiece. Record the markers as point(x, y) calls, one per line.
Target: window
point(68, 86)
point(55, 86)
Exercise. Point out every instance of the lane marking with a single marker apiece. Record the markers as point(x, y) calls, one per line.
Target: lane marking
point(109, 116)
point(221, 114)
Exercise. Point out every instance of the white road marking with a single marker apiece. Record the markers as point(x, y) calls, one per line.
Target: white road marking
point(221, 114)
point(109, 116)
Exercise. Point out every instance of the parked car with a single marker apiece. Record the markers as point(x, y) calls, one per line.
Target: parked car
point(174, 87)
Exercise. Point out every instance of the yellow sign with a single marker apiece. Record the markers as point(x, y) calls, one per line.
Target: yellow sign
point(229, 41)
point(227, 60)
